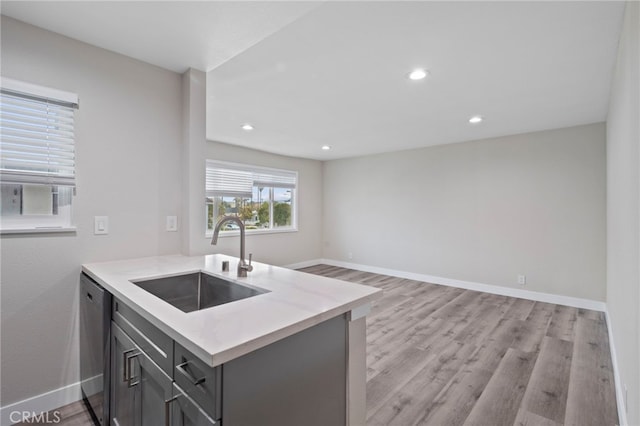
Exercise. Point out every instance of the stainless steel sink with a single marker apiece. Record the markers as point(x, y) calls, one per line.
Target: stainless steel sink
point(195, 291)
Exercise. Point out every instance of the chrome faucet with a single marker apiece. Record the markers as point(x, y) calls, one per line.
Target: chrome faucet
point(243, 266)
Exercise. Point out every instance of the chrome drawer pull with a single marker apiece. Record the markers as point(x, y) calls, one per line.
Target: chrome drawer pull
point(193, 380)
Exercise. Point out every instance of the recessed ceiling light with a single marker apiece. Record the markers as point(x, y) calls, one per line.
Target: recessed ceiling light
point(418, 74)
point(475, 119)
point(247, 127)
point(326, 147)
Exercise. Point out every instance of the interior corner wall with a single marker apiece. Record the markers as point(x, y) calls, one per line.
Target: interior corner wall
point(623, 210)
point(283, 248)
point(482, 211)
point(128, 133)
point(194, 86)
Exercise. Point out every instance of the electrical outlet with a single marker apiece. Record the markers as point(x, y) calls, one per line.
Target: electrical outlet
point(350, 255)
point(522, 279)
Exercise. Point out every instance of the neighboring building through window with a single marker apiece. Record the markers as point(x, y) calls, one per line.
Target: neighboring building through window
point(37, 157)
point(263, 198)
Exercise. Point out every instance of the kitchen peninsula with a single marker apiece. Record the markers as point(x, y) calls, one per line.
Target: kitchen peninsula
point(294, 351)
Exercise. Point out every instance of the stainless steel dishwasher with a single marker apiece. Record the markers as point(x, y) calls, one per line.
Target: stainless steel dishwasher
point(95, 335)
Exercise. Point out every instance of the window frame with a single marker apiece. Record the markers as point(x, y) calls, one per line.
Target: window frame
point(257, 169)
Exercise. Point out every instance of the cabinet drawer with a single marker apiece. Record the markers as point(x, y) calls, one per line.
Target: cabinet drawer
point(199, 381)
point(157, 345)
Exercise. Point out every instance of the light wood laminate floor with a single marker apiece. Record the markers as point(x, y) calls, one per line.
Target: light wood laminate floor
point(440, 355)
point(444, 356)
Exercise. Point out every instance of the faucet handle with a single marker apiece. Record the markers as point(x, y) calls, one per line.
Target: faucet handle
point(249, 267)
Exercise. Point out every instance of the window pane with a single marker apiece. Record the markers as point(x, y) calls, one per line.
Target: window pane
point(27, 206)
point(261, 207)
point(282, 201)
point(33, 200)
point(210, 214)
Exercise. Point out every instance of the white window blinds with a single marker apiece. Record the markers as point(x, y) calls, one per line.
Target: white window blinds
point(36, 135)
point(238, 180)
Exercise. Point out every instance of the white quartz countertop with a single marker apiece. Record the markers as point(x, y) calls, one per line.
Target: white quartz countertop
point(295, 301)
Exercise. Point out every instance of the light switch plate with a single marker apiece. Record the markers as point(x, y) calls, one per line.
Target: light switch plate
point(100, 225)
point(172, 223)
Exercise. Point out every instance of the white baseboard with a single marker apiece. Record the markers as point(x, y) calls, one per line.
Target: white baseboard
point(304, 264)
point(469, 285)
point(43, 403)
point(622, 409)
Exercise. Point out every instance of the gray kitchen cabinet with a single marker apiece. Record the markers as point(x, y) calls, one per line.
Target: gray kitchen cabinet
point(142, 393)
point(139, 387)
point(155, 381)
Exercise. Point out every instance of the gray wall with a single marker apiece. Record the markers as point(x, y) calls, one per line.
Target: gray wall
point(482, 211)
point(623, 209)
point(128, 133)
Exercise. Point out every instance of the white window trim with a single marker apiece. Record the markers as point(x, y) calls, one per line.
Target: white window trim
point(283, 230)
point(39, 230)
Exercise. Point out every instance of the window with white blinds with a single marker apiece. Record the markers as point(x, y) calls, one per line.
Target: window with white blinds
point(37, 136)
point(37, 156)
point(264, 198)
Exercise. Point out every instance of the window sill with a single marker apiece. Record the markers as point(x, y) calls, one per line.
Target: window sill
point(209, 234)
point(42, 230)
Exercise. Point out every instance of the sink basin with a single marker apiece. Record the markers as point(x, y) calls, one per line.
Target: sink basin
point(195, 291)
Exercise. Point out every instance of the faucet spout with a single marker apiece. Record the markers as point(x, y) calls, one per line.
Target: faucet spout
point(243, 266)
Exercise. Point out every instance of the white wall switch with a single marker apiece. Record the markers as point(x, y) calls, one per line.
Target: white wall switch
point(172, 223)
point(100, 225)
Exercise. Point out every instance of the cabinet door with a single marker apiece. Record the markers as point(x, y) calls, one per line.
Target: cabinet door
point(139, 387)
point(153, 389)
point(186, 412)
point(123, 390)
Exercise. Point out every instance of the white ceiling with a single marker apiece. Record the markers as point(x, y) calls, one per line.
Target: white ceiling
point(307, 74)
